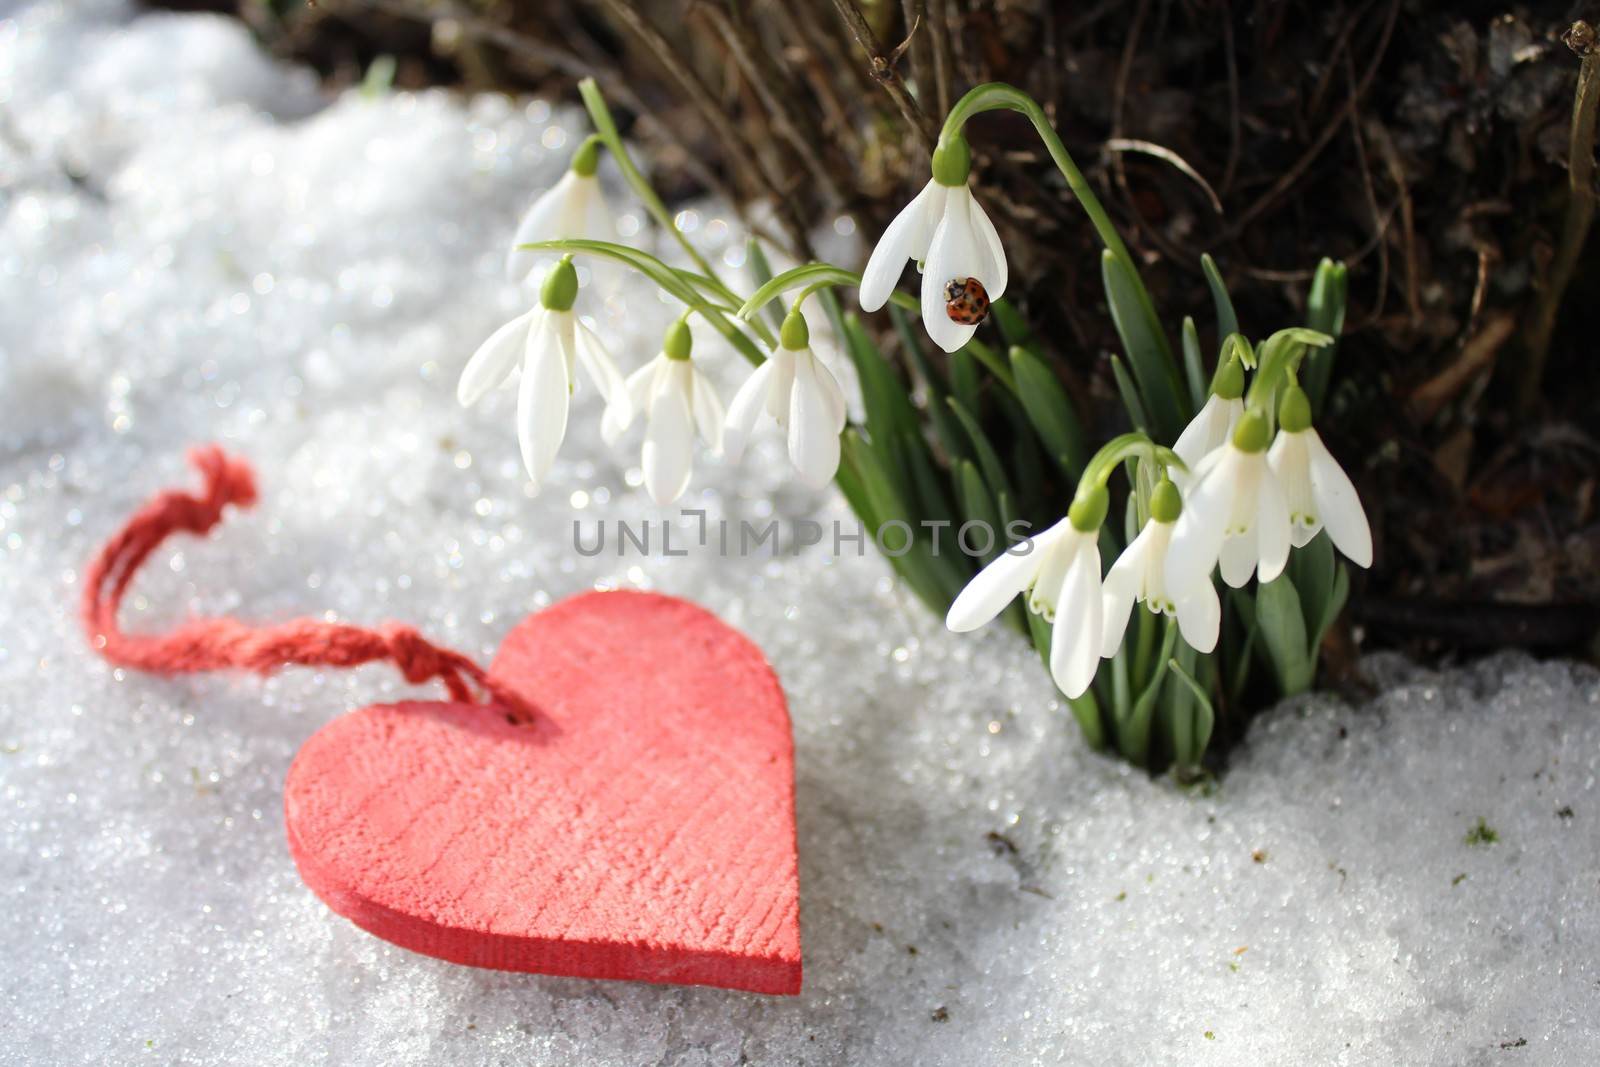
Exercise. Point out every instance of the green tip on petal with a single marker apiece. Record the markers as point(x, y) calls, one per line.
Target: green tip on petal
point(1166, 503)
point(1089, 509)
point(1229, 383)
point(952, 161)
point(560, 290)
point(795, 334)
point(678, 341)
point(586, 160)
point(1294, 411)
point(1250, 435)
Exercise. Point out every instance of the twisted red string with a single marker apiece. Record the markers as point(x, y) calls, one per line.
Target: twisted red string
point(222, 643)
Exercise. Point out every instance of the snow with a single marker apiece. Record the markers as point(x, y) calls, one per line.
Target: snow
point(195, 246)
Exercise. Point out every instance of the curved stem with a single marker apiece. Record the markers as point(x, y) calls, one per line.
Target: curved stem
point(993, 96)
point(814, 277)
point(1127, 446)
point(1280, 358)
point(606, 128)
point(672, 281)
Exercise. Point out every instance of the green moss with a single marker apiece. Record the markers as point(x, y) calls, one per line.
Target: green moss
point(1482, 834)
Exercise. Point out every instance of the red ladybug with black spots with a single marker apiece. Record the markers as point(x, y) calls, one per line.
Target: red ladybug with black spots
point(966, 301)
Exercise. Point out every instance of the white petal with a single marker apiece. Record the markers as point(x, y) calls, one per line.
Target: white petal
point(834, 393)
point(953, 256)
point(1338, 505)
point(781, 384)
point(618, 418)
point(906, 238)
point(601, 369)
point(553, 216)
point(542, 401)
point(1237, 560)
point(749, 403)
point(1075, 642)
point(1207, 431)
point(813, 436)
point(1120, 590)
point(493, 360)
point(1198, 534)
point(708, 414)
point(1271, 527)
point(996, 273)
point(1291, 466)
point(1200, 617)
point(600, 224)
point(668, 445)
point(1006, 576)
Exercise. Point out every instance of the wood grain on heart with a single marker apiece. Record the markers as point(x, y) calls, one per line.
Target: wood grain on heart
point(642, 827)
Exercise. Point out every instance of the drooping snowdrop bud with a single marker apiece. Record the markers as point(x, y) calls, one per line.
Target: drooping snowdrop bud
point(1233, 513)
point(573, 208)
point(549, 342)
point(1060, 571)
point(1139, 574)
point(950, 236)
point(1318, 491)
point(676, 399)
point(795, 389)
point(1209, 429)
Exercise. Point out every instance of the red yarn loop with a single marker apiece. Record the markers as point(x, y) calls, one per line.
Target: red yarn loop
point(223, 643)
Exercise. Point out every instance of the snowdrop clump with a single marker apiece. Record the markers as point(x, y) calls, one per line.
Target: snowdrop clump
point(1245, 484)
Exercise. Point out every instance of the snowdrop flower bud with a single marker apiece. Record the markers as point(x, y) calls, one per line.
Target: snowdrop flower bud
point(1234, 512)
point(550, 342)
point(676, 400)
point(1140, 574)
point(1060, 571)
point(1208, 430)
point(797, 391)
point(950, 236)
point(1318, 491)
point(573, 208)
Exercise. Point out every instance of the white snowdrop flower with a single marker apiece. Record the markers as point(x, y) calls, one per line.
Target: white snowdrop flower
point(798, 391)
point(549, 342)
point(1060, 571)
point(1234, 513)
point(573, 208)
point(1139, 574)
point(949, 235)
point(676, 400)
point(1209, 429)
point(1318, 491)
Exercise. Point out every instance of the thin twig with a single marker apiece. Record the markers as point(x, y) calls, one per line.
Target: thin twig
point(1235, 138)
point(1288, 178)
point(807, 60)
point(739, 155)
point(1580, 213)
point(939, 35)
point(807, 149)
point(1168, 156)
point(1371, 194)
point(883, 71)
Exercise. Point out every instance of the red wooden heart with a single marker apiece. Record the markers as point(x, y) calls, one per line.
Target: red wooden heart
point(642, 827)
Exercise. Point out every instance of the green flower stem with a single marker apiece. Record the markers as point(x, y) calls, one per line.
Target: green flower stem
point(1127, 446)
point(1145, 644)
point(815, 277)
point(993, 96)
point(672, 281)
point(606, 128)
point(1279, 358)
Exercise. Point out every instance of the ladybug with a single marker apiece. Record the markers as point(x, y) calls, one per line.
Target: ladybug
point(966, 301)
